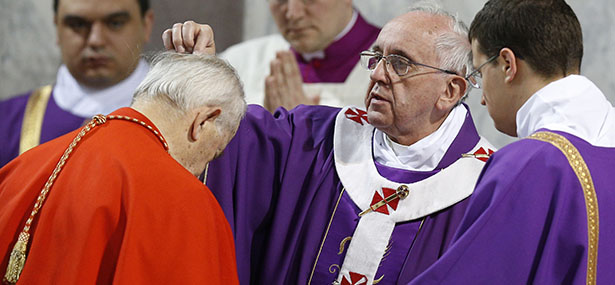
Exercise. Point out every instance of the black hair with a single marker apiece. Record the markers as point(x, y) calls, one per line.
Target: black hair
point(143, 6)
point(544, 33)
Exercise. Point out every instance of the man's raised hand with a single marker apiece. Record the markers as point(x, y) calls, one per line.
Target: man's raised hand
point(190, 37)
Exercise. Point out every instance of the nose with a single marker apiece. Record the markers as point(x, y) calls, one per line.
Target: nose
point(482, 100)
point(380, 73)
point(96, 36)
point(295, 9)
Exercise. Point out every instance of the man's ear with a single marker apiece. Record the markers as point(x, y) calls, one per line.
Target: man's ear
point(202, 117)
point(148, 24)
point(509, 66)
point(455, 89)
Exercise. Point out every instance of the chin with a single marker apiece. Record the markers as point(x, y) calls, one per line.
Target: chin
point(97, 82)
point(102, 77)
point(507, 130)
point(304, 43)
point(301, 48)
point(378, 120)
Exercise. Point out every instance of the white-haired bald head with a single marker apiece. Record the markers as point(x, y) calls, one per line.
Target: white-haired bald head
point(453, 48)
point(188, 81)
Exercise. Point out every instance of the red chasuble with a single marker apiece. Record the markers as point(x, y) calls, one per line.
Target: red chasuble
point(122, 211)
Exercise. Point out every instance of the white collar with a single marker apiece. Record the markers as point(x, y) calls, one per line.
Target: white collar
point(349, 26)
point(425, 154)
point(321, 53)
point(83, 101)
point(573, 105)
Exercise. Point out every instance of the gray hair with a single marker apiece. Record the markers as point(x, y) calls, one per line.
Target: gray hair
point(453, 48)
point(189, 81)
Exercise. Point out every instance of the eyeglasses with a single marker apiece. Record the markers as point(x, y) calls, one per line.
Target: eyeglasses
point(475, 78)
point(400, 64)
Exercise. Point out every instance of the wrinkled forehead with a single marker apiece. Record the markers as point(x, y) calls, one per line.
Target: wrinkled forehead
point(413, 35)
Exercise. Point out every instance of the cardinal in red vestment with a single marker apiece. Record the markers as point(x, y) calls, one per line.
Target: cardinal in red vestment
point(118, 201)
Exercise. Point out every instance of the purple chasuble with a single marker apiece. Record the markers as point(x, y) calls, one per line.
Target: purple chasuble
point(526, 222)
point(341, 56)
point(56, 122)
point(279, 189)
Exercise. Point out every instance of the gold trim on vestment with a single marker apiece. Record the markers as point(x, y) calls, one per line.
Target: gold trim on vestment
point(205, 174)
point(332, 269)
point(378, 280)
point(326, 233)
point(591, 201)
point(18, 255)
point(343, 244)
point(33, 118)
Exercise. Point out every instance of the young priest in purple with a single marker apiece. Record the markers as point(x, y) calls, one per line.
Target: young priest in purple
point(542, 211)
point(63, 107)
point(101, 68)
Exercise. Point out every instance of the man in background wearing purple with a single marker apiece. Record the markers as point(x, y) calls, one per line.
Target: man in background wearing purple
point(318, 194)
point(542, 211)
point(100, 42)
point(314, 59)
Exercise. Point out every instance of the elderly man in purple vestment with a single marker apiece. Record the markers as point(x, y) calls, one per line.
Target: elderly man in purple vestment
point(100, 42)
point(314, 59)
point(542, 211)
point(320, 194)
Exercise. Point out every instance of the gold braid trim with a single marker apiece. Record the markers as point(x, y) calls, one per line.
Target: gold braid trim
point(378, 280)
point(591, 202)
point(32, 123)
point(18, 256)
point(343, 244)
point(325, 237)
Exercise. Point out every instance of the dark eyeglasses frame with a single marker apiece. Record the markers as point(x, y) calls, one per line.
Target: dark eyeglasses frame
point(471, 78)
point(387, 59)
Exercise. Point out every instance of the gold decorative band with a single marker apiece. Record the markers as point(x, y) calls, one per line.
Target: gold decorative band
point(325, 237)
point(18, 255)
point(33, 119)
point(591, 202)
point(343, 244)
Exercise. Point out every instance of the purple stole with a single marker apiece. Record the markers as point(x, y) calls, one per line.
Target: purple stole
point(56, 122)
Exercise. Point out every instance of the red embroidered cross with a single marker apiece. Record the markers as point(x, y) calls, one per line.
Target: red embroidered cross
point(356, 115)
point(355, 279)
point(482, 154)
point(379, 199)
